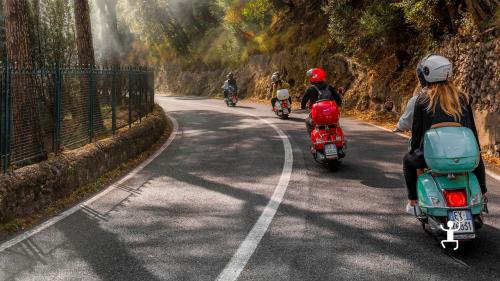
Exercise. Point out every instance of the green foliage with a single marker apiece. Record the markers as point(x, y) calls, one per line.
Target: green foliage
point(361, 28)
point(179, 23)
point(380, 19)
point(14, 225)
point(314, 47)
point(341, 23)
point(53, 32)
point(420, 13)
point(219, 47)
point(257, 11)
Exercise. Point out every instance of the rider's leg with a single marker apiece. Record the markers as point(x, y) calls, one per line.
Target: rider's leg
point(480, 173)
point(273, 101)
point(411, 163)
point(309, 125)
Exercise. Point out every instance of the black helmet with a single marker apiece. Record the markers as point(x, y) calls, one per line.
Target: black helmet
point(275, 77)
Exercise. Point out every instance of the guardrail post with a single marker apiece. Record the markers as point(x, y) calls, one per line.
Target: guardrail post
point(3, 116)
point(145, 90)
point(152, 90)
point(6, 118)
point(129, 98)
point(90, 77)
point(113, 99)
point(57, 110)
point(141, 91)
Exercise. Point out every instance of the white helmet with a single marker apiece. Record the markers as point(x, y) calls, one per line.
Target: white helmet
point(434, 68)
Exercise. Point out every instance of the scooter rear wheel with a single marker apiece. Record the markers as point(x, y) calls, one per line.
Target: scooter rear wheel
point(333, 165)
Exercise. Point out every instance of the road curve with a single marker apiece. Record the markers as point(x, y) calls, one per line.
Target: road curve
point(187, 213)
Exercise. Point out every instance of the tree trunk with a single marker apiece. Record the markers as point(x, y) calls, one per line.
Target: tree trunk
point(84, 45)
point(86, 58)
point(115, 48)
point(114, 51)
point(26, 142)
point(39, 59)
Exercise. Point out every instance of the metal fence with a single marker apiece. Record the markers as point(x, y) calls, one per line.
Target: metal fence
point(43, 111)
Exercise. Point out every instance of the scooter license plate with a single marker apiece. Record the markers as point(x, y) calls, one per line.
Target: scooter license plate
point(331, 150)
point(465, 219)
point(285, 111)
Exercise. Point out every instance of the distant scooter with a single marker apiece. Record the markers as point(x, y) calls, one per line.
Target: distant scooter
point(282, 106)
point(232, 97)
point(448, 190)
point(327, 138)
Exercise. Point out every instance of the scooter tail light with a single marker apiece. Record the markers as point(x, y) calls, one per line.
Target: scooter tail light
point(455, 198)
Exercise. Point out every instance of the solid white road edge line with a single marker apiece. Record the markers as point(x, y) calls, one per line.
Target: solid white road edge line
point(246, 249)
point(74, 209)
point(488, 172)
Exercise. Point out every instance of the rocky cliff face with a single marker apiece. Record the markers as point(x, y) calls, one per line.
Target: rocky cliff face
point(476, 71)
point(254, 76)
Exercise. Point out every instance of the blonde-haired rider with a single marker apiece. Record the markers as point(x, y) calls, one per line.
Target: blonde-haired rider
point(439, 102)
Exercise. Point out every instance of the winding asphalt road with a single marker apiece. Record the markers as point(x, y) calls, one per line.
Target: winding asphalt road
point(208, 207)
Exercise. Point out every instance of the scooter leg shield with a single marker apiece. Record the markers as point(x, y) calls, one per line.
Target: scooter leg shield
point(475, 196)
point(429, 195)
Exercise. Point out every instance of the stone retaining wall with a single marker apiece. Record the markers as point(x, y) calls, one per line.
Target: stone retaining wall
point(476, 59)
point(28, 189)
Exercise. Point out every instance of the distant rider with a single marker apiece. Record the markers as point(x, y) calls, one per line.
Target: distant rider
point(229, 84)
point(278, 83)
point(439, 102)
point(319, 90)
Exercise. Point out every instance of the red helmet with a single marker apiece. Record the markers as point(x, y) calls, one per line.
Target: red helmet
point(316, 75)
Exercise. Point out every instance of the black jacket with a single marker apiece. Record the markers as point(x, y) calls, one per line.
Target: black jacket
point(312, 94)
point(424, 119)
point(232, 82)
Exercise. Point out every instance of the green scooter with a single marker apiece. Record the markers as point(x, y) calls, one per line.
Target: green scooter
point(447, 189)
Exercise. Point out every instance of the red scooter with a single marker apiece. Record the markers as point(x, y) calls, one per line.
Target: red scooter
point(327, 138)
point(232, 100)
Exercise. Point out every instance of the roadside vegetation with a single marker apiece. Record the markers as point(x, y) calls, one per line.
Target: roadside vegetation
point(226, 32)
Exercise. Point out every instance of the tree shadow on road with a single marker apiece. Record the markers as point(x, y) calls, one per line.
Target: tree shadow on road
point(326, 258)
point(373, 161)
